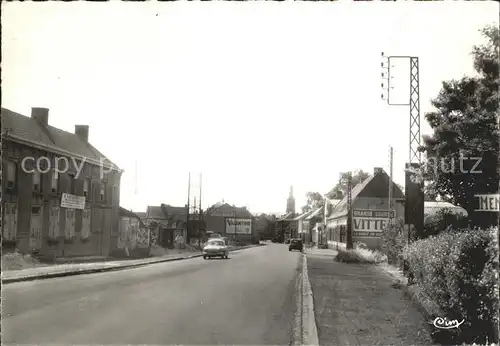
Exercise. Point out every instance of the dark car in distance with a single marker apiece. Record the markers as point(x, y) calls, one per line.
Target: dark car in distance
point(296, 244)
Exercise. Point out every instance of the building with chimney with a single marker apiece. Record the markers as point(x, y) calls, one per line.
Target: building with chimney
point(370, 205)
point(60, 194)
point(237, 224)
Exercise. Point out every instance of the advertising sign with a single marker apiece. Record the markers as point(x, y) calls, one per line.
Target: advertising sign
point(370, 223)
point(238, 226)
point(489, 202)
point(72, 201)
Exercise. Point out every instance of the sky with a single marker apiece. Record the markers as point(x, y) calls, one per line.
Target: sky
point(256, 96)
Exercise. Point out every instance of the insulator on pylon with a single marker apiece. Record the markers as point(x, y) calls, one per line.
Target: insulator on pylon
point(382, 53)
point(382, 74)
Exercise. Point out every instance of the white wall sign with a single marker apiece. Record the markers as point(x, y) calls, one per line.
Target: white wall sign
point(489, 202)
point(369, 223)
point(238, 226)
point(72, 201)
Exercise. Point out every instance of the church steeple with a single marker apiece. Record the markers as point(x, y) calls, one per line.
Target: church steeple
point(290, 203)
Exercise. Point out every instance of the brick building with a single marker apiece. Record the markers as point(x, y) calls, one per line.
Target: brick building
point(235, 223)
point(60, 194)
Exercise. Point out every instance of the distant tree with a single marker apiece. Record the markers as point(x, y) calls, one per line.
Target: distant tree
point(465, 132)
point(340, 190)
point(314, 200)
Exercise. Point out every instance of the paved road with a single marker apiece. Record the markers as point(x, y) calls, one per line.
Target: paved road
point(247, 299)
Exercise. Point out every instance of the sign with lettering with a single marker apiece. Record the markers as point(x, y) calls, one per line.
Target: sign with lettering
point(489, 202)
point(238, 226)
point(72, 201)
point(370, 223)
point(384, 214)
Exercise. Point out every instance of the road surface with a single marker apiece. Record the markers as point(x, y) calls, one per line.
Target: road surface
point(247, 299)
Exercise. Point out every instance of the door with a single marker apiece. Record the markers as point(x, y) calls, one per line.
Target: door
point(85, 232)
point(54, 222)
point(69, 230)
point(36, 228)
point(10, 221)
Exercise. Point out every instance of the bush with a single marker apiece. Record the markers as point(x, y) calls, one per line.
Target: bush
point(393, 241)
point(458, 269)
point(442, 220)
point(359, 255)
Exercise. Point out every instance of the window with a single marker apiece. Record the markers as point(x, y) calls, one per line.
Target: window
point(11, 175)
point(36, 210)
point(86, 187)
point(55, 181)
point(72, 184)
point(114, 196)
point(102, 193)
point(37, 181)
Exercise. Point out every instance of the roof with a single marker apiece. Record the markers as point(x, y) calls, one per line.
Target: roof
point(126, 212)
point(155, 212)
point(166, 212)
point(286, 217)
point(241, 212)
point(168, 224)
point(141, 214)
point(363, 189)
point(303, 215)
point(431, 208)
point(315, 213)
point(26, 129)
point(341, 207)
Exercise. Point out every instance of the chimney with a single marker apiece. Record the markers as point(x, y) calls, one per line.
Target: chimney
point(82, 131)
point(377, 170)
point(41, 115)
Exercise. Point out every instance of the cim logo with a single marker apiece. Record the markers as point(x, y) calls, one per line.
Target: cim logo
point(444, 323)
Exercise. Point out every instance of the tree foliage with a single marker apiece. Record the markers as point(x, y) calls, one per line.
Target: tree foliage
point(340, 190)
point(465, 131)
point(314, 200)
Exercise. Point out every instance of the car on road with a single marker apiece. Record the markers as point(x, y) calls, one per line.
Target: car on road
point(296, 244)
point(215, 248)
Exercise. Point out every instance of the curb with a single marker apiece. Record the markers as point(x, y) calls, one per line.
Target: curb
point(105, 269)
point(309, 327)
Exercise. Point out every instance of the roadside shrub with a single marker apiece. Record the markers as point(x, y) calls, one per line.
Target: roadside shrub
point(393, 241)
point(442, 220)
point(359, 255)
point(458, 271)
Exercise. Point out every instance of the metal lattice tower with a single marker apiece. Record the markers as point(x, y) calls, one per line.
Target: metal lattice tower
point(415, 155)
point(414, 195)
point(414, 101)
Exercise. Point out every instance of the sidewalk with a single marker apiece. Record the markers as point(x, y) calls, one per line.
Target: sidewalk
point(357, 305)
point(54, 271)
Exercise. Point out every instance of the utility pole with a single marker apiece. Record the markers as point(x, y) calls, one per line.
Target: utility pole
point(195, 222)
point(187, 209)
point(390, 186)
point(349, 242)
point(201, 210)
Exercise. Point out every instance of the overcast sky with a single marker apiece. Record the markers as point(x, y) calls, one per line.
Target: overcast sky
point(256, 95)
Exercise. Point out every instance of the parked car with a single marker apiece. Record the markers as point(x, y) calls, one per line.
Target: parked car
point(215, 248)
point(296, 244)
